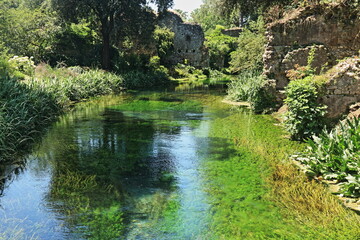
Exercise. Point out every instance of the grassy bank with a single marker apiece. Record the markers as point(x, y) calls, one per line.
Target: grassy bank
point(258, 194)
point(28, 106)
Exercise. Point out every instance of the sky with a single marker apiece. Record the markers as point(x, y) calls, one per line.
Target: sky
point(187, 5)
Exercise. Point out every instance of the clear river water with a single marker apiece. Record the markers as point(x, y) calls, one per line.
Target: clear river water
point(107, 173)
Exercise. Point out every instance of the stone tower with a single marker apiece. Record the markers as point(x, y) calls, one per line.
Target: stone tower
point(188, 41)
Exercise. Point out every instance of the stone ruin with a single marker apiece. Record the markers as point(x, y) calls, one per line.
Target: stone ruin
point(188, 41)
point(335, 34)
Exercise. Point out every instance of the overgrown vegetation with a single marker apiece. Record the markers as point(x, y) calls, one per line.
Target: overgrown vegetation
point(251, 87)
point(220, 46)
point(305, 116)
point(335, 156)
point(246, 61)
point(251, 46)
point(289, 205)
point(29, 105)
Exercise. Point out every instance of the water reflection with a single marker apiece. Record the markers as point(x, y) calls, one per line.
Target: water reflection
point(105, 174)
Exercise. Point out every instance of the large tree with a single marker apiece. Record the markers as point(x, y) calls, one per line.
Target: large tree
point(246, 8)
point(208, 15)
point(110, 16)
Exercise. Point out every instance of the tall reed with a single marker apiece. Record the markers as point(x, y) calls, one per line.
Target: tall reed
point(27, 106)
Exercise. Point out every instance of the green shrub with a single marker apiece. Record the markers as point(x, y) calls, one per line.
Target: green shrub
point(189, 72)
point(220, 46)
point(5, 67)
point(251, 46)
point(250, 86)
point(164, 39)
point(305, 116)
point(23, 66)
point(335, 154)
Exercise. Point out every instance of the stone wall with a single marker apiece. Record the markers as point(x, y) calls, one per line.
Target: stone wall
point(343, 87)
point(188, 41)
point(334, 31)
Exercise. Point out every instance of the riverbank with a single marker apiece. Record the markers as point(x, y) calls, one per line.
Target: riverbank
point(222, 168)
point(29, 106)
point(263, 182)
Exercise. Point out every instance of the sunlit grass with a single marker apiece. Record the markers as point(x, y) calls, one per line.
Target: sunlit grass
point(258, 194)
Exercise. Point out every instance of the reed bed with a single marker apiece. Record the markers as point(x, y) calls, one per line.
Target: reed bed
point(28, 106)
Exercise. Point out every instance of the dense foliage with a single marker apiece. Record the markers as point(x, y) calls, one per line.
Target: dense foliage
point(209, 16)
point(110, 17)
point(251, 87)
point(251, 46)
point(27, 31)
point(305, 116)
point(248, 8)
point(220, 46)
point(29, 105)
point(335, 155)
point(164, 40)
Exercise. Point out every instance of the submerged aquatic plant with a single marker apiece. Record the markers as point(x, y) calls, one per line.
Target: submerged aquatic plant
point(93, 208)
point(160, 105)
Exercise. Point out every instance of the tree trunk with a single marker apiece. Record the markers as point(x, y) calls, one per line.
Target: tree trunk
point(105, 54)
point(241, 19)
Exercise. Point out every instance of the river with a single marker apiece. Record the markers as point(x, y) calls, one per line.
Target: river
point(105, 173)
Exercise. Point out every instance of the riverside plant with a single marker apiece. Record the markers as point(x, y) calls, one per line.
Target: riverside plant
point(27, 106)
point(335, 155)
point(250, 86)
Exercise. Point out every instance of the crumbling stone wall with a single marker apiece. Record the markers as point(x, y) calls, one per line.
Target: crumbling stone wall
point(334, 31)
point(343, 87)
point(188, 41)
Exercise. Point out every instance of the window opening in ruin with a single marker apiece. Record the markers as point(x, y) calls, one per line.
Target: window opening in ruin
point(188, 38)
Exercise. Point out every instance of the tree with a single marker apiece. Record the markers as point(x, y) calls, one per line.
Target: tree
point(25, 31)
point(110, 15)
point(209, 16)
point(250, 50)
point(246, 7)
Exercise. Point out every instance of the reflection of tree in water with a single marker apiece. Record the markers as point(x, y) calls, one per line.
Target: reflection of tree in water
point(8, 172)
point(97, 162)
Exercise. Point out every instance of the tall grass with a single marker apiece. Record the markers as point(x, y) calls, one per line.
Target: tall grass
point(250, 86)
point(27, 106)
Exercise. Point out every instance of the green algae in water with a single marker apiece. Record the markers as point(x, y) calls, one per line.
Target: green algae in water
point(121, 167)
point(236, 178)
point(150, 105)
point(88, 203)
